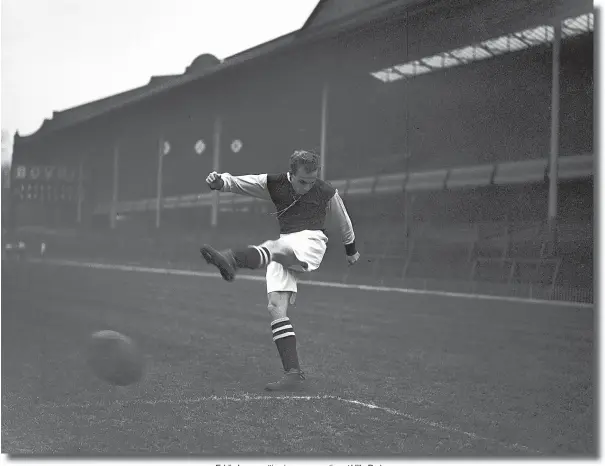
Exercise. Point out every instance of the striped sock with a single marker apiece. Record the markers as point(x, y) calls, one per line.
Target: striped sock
point(285, 340)
point(252, 257)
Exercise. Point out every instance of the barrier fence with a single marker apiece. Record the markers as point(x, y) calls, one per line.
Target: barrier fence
point(183, 252)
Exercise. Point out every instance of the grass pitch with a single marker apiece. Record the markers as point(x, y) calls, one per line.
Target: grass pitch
point(389, 374)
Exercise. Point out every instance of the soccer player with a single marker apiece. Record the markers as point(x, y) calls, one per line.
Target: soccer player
point(302, 202)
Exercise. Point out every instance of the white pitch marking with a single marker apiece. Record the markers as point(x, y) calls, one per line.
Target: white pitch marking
point(348, 286)
point(246, 397)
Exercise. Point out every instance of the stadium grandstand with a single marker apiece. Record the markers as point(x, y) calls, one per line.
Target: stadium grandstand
point(459, 133)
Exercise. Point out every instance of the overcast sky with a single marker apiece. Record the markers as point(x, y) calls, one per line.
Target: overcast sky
point(57, 54)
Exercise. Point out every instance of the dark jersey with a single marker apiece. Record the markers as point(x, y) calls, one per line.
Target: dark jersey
point(295, 212)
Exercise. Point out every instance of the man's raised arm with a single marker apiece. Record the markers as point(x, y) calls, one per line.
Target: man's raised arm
point(245, 185)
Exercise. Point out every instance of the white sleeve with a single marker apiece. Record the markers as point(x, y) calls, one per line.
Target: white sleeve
point(246, 185)
point(338, 213)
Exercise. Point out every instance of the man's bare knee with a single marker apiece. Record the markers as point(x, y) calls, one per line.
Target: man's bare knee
point(288, 259)
point(278, 304)
point(284, 258)
point(282, 253)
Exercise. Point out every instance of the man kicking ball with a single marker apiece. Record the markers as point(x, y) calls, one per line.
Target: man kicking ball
point(302, 202)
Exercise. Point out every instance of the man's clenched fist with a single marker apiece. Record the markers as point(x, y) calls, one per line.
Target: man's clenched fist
point(352, 259)
point(215, 181)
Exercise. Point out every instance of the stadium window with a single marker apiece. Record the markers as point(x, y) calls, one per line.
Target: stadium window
point(490, 48)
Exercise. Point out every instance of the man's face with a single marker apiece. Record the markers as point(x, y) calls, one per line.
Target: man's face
point(303, 181)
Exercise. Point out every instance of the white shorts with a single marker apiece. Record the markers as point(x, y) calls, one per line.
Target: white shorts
point(309, 246)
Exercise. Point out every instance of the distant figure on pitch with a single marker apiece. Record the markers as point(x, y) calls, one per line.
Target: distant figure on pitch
point(302, 202)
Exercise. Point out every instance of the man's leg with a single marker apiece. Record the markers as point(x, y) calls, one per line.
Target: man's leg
point(306, 248)
point(251, 257)
point(281, 327)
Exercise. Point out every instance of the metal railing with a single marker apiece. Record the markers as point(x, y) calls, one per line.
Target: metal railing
point(182, 254)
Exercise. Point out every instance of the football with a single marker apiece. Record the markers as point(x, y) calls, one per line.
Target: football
point(115, 358)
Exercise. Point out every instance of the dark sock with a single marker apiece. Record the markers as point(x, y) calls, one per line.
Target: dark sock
point(252, 257)
point(285, 340)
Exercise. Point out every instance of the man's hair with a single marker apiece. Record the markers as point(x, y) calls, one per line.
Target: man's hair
point(304, 158)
